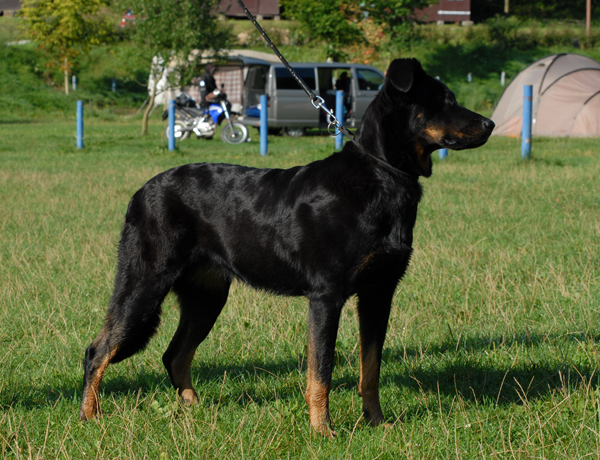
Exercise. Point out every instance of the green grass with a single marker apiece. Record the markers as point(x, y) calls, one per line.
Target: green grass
point(492, 348)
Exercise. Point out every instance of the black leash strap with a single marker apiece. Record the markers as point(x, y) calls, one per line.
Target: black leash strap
point(317, 101)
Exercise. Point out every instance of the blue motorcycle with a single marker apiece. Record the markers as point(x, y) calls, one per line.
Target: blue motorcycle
point(203, 122)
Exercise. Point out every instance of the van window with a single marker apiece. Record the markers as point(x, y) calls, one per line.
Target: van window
point(259, 78)
point(284, 78)
point(330, 78)
point(369, 80)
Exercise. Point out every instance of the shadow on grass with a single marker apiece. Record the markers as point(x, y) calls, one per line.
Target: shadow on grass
point(458, 373)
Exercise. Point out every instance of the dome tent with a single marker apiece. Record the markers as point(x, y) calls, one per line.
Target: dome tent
point(566, 98)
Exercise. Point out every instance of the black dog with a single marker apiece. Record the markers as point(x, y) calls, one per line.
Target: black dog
point(328, 230)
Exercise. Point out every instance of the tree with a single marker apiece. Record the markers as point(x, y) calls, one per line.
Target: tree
point(341, 23)
point(64, 29)
point(173, 31)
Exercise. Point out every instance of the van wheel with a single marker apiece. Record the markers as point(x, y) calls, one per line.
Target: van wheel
point(293, 132)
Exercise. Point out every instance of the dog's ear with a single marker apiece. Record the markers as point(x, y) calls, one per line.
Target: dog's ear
point(401, 73)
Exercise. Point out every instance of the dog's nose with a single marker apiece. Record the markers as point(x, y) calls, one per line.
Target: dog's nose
point(488, 124)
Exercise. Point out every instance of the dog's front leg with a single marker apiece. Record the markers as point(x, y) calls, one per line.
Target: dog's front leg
point(373, 313)
point(323, 321)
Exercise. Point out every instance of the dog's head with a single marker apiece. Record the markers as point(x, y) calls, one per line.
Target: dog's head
point(417, 114)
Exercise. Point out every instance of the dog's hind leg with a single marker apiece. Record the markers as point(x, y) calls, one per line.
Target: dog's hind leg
point(133, 316)
point(323, 321)
point(373, 312)
point(201, 298)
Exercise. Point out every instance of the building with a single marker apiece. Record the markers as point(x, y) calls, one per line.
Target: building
point(457, 11)
point(9, 7)
point(259, 8)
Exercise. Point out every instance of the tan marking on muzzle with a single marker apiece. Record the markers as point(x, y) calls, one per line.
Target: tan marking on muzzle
point(434, 133)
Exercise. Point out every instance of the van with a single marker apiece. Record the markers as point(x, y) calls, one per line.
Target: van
point(247, 74)
point(291, 110)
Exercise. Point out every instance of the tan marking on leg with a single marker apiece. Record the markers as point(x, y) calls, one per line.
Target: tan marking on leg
point(317, 398)
point(90, 403)
point(182, 376)
point(369, 385)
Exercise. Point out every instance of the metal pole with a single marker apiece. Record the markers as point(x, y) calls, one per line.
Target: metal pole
point(443, 153)
point(74, 82)
point(339, 114)
point(79, 124)
point(264, 125)
point(526, 133)
point(171, 125)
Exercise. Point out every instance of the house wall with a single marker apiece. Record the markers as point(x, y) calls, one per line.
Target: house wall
point(446, 11)
point(259, 8)
point(9, 6)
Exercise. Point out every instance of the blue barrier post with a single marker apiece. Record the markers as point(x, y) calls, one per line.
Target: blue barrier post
point(264, 125)
point(74, 82)
point(114, 85)
point(443, 153)
point(79, 124)
point(526, 133)
point(339, 114)
point(171, 125)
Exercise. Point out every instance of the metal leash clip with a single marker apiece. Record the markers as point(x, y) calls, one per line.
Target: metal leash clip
point(316, 101)
point(332, 121)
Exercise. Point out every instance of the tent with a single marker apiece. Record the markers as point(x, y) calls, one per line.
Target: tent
point(566, 98)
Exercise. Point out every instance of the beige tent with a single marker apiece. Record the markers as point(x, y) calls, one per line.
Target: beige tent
point(566, 98)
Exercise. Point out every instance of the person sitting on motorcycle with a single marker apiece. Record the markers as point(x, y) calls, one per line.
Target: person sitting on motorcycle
point(208, 86)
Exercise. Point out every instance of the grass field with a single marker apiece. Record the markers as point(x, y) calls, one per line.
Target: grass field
point(492, 348)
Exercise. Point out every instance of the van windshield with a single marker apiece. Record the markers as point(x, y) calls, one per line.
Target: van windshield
point(369, 80)
point(284, 79)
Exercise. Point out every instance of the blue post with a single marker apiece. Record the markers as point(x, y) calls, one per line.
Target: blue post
point(526, 133)
point(171, 125)
point(79, 124)
point(114, 85)
point(74, 82)
point(264, 124)
point(443, 153)
point(339, 114)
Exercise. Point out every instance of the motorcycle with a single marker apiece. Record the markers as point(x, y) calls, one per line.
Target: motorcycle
point(203, 122)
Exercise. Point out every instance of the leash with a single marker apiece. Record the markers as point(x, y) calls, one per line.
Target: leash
point(317, 101)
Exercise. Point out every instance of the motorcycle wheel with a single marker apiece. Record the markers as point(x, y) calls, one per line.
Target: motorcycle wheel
point(180, 133)
point(237, 135)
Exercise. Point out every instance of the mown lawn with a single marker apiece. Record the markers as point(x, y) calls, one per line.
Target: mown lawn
point(492, 348)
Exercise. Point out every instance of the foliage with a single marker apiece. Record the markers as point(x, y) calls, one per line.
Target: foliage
point(174, 29)
point(170, 33)
point(482, 10)
point(64, 28)
point(343, 23)
point(326, 21)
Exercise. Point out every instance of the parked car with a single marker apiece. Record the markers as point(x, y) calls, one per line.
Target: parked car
point(245, 75)
point(291, 110)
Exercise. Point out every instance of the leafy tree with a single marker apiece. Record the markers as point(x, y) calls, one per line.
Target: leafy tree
point(326, 20)
point(174, 31)
point(341, 23)
point(482, 10)
point(64, 29)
